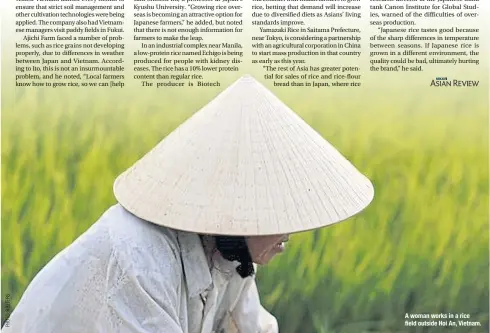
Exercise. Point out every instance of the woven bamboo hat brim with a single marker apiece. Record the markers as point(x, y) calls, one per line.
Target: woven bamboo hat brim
point(245, 164)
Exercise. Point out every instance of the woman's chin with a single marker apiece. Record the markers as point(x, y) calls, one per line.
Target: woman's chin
point(260, 262)
point(263, 261)
point(266, 260)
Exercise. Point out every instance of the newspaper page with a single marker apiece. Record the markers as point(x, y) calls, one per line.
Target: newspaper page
point(198, 166)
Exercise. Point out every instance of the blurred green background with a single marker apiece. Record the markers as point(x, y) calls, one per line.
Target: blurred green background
point(421, 247)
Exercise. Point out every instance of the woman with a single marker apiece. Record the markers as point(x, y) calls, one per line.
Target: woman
point(178, 252)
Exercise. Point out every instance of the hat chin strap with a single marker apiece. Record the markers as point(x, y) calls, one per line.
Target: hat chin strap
point(235, 248)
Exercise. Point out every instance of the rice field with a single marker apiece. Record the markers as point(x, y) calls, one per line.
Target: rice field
point(421, 247)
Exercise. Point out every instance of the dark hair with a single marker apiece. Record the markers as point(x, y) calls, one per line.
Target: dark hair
point(235, 248)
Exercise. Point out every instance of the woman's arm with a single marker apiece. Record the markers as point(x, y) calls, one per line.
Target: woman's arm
point(248, 315)
point(147, 295)
point(143, 304)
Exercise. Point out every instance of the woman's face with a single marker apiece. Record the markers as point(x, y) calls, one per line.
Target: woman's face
point(263, 248)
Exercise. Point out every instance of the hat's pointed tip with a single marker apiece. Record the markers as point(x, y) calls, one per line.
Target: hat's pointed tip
point(246, 81)
point(247, 78)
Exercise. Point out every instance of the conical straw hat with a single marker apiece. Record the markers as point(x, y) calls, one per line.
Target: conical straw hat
point(245, 164)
